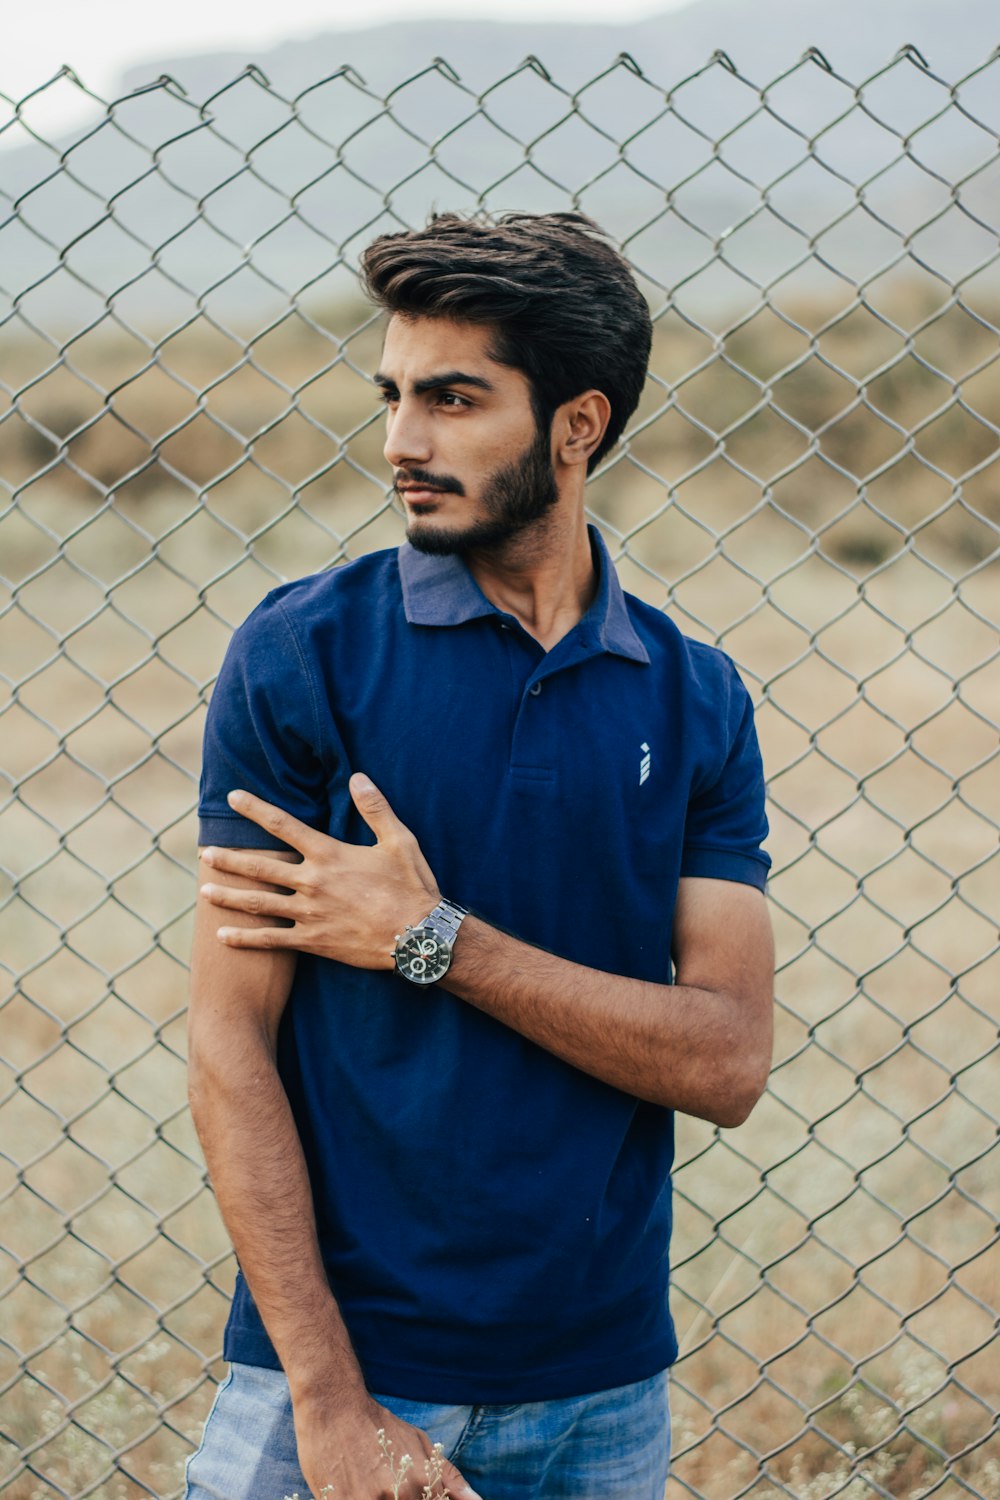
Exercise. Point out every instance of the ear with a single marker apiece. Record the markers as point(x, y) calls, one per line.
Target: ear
point(578, 427)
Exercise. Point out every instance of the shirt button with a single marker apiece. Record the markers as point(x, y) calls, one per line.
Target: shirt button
point(535, 689)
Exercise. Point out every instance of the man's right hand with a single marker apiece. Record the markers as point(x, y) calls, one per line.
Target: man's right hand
point(357, 1454)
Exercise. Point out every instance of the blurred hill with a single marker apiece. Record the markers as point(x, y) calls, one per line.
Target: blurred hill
point(258, 183)
point(856, 36)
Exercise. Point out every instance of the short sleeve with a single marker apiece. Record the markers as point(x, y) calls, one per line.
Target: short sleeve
point(264, 734)
point(726, 823)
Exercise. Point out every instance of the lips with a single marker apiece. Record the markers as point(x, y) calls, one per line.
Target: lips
point(416, 493)
point(420, 487)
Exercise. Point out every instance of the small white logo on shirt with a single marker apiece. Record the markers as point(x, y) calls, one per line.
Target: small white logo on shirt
point(644, 763)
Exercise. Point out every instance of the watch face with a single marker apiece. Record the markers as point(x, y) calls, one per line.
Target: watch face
point(422, 956)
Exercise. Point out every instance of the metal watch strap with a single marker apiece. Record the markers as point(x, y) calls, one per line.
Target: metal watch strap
point(446, 918)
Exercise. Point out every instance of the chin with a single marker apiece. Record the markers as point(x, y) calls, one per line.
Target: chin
point(440, 541)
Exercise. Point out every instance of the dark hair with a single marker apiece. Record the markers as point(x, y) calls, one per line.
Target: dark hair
point(562, 301)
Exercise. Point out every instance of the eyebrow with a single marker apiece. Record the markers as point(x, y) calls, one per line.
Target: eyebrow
point(437, 382)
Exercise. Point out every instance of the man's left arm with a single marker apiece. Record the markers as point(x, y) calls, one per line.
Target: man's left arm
point(701, 1045)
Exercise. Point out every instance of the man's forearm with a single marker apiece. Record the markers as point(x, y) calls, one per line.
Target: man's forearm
point(254, 1154)
point(614, 1028)
point(258, 1171)
point(703, 1050)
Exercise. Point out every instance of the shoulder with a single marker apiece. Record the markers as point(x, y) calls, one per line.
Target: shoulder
point(281, 649)
point(325, 594)
point(324, 600)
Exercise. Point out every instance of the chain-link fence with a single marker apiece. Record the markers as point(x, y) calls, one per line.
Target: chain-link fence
point(812, 480)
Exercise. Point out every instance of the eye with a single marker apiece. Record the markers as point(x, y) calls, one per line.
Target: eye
point(452, 399)
point(387, 395)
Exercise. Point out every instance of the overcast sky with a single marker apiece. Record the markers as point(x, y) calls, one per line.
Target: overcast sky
point(99, 39)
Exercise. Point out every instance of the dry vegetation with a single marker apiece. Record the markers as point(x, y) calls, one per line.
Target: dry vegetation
point(823, 501)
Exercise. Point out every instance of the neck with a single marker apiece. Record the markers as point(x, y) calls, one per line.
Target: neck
point(544, 577)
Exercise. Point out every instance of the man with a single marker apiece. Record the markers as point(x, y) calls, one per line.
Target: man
point(434, 1063)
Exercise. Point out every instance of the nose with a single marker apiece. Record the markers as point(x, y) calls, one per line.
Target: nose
point(407, 436)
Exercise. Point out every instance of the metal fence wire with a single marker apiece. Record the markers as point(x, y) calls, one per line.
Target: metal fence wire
point(812, 481)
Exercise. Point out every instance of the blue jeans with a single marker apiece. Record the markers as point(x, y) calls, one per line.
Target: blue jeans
point(613, 1445)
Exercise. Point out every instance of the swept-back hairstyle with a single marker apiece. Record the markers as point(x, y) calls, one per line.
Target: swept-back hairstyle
point(561, 300)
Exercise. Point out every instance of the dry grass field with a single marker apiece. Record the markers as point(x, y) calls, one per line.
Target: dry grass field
point(823, 500)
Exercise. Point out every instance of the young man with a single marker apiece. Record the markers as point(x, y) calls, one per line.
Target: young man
point(434, 1063)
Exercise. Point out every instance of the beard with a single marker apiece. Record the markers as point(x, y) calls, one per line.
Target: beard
point(514, 497)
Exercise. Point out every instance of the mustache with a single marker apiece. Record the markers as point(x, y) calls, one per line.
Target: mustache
point(443, 482)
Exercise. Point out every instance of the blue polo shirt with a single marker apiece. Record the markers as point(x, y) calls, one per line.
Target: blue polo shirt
point(495, 1223)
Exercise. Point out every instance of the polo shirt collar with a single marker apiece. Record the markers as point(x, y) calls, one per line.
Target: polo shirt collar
point(442, 591)
point(439, 590)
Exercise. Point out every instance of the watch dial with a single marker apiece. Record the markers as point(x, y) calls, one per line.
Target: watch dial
point(422, 956)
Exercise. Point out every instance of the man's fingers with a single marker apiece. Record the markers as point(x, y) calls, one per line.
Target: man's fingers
point(257, 937)
point(290, 830)
point(253, 866)
point(240, 898)
point(457, 1487)
point(373, 807)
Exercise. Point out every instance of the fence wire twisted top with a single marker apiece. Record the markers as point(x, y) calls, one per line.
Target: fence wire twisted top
point(812, 480)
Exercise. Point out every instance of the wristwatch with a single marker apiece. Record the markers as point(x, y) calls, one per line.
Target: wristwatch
point(423, 953)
